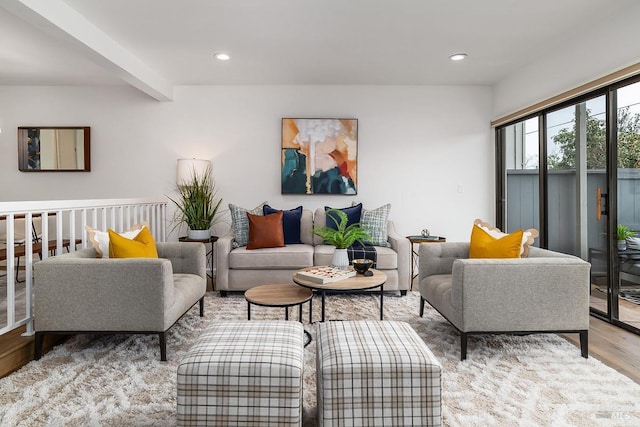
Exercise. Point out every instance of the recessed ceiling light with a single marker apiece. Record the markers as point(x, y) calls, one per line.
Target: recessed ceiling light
point(458, 56)
point(222, 56)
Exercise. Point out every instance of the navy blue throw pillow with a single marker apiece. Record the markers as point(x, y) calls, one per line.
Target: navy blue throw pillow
point(290, 223)
point(353, 215)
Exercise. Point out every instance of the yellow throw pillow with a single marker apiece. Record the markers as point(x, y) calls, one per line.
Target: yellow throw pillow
point(141, 246)
point(528, 237)
point(483, 245)
point(100, 239)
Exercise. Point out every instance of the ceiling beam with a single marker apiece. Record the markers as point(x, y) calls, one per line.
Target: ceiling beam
point(58, 18)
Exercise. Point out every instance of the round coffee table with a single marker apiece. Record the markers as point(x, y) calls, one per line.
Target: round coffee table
point(355, 283)
point(279, 295)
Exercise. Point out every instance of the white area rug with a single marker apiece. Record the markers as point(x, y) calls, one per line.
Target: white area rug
point(533, 380)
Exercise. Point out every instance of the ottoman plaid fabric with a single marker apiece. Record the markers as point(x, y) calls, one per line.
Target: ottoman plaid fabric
point(243, 374)
point(375, 373)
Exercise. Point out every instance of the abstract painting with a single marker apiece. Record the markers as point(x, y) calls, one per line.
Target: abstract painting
point(319, 156)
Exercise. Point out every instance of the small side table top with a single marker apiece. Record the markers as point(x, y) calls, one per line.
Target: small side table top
point(278, 295)
point(211, 239)
point(428, 239)
point(355, 283)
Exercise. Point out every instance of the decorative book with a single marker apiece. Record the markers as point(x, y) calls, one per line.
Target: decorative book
point(325, 274)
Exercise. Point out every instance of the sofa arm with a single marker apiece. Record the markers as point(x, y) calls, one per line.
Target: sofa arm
point(522, 294)
point(185, 257)
point(87, 294)
point(438, 258)
point(402, 247)
point(224, 246)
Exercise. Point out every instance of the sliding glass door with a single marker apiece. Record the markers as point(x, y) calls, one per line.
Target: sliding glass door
point(573, 173)
point(627, 137)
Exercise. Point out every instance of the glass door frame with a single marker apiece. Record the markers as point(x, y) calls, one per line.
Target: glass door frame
point(610, 206)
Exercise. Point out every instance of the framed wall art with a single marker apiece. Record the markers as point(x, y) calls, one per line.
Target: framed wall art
point(319, 156)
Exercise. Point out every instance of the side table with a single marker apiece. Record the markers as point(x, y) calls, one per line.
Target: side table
point(212, 240)
point(417, 239)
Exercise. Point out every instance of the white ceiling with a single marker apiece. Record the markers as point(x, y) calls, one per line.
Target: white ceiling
point(161, 43)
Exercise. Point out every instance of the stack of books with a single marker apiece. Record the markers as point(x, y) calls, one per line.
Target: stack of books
point(325, 274)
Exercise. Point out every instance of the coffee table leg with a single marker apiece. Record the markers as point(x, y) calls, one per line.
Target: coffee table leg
point(322, 294)
point(248, 310)
point(311, 310)
point(381, 301)
point(286, 313)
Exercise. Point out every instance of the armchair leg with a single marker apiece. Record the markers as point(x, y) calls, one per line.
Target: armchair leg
point(37, 354)
point(163, 346)
point(463, 346)
point(421, 306)
point(202, 307)
point(584, 343)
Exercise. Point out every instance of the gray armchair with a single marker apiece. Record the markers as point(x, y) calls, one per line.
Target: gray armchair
point(79, 293)
point(546, 292)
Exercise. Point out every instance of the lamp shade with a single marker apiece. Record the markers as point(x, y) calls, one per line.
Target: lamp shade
point(187, 168)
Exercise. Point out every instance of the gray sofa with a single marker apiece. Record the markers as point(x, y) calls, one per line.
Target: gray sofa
point(79, 293)
point(546, 292)
point(240, 269)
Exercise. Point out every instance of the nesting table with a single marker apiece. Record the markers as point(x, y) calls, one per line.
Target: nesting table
point(355, 283)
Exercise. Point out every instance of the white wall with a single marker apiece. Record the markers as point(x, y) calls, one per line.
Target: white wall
point(426, 150)
point(578, 59)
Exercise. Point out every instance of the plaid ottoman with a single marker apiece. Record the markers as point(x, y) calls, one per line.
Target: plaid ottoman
point(374, 373)
point(245, 373)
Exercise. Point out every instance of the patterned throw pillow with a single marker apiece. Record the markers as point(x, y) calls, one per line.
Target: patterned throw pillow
point(240, 223)
point(375, 222)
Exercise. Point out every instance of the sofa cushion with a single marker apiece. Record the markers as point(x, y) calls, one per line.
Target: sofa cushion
point(387, 258)
point(286, 257)
point(265, 231)
point(290, 223)
point(306, 227)
point(240, 223)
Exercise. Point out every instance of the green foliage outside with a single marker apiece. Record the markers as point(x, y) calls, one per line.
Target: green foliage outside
point(623, 232)
point(628, 143)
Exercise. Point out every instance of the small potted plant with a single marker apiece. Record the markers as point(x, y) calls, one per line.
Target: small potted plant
point(342, 237)
point(623, 233)
point(197, 205)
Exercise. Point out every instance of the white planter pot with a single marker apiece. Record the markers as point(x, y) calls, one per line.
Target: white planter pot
point(340, 258)
point(622, 245)
point(199, 234)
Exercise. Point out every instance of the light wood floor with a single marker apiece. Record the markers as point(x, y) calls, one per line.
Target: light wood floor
point(613, 346)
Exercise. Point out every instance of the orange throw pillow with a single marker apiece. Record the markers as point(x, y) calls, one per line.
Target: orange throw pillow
point(265, 231)
point(141, 246)
point(483, 245)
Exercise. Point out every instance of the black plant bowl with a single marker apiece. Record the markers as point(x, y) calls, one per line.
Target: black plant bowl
point(362, 265)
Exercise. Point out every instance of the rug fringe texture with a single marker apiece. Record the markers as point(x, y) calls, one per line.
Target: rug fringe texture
point(118, 380)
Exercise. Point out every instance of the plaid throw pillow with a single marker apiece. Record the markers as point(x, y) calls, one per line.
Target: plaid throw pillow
point(240, 223)
point(375, 222)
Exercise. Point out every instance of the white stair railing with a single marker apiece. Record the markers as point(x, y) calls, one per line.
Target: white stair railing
point(62, 225)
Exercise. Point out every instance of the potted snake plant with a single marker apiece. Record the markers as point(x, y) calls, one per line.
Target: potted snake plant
point(197, 205)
